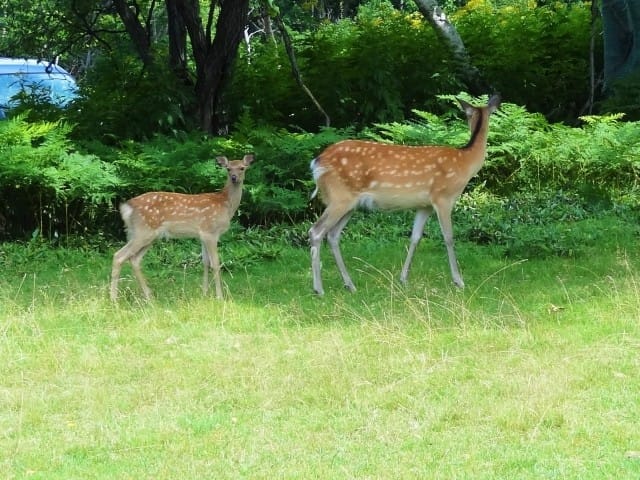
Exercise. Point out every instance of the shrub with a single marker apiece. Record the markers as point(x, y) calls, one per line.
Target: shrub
point(534, 55)
point(45, 184)
point(341, 64)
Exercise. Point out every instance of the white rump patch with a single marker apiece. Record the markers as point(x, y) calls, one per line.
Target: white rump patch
point(125, 211)
point(317, 171)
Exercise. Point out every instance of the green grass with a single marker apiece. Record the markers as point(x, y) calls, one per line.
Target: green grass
point(532, 371)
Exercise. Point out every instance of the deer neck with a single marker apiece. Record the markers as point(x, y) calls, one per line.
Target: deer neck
point(476, 148)
point(233, 192)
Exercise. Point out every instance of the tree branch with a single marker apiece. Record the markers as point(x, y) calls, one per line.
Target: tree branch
point(294, 67)
point(471, 76)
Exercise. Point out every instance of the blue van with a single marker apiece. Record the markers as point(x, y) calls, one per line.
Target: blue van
point(19, 74)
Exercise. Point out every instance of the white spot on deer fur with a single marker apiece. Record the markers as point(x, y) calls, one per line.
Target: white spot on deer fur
point(450, 174)
point(373, 184)
point(344, 160)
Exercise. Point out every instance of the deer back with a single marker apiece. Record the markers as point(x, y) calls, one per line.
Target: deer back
point(401, 176)
point(176, 214)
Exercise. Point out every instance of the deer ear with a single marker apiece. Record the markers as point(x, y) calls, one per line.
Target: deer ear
point(466, 107)
point(223, 161)
point(494, 102)
point(248, 159)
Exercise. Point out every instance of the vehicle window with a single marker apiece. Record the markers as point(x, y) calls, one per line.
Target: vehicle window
point(61, 88)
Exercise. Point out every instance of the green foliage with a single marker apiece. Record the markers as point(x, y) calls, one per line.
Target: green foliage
point(534, 55)
point(44, 183)
point(599, 160)
point(184, 165)
point(623, 95)
point(121, 100)
point(40, 29)
point(540, 224)
point(50, 185)
point(341, 64)
point(280, 182)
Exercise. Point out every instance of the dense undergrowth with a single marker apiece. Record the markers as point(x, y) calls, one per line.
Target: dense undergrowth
point(51, 186)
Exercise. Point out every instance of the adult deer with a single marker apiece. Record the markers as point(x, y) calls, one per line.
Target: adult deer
point(356, 173)
point(163, 214)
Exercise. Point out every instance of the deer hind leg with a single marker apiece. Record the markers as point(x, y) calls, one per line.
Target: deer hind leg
point(333, 239)
point(444, 217)
point(126, 253)
point(206, 264)
point(332, 220)
point(211, 260)
point(119, 258)
point(422, 216)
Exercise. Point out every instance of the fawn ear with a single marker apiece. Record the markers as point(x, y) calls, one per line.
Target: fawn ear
point(223, 161)
point(248, 159)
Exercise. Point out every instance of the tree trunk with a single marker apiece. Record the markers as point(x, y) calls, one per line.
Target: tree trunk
point(177, 40)
point(621, 25)
point(138, 34)
point(213, 59)
point(469, 74)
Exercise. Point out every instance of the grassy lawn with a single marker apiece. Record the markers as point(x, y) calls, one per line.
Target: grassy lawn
point(532, 371)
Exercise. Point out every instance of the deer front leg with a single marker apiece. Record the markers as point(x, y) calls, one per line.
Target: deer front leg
point(444, 217)
point(210, 246)
point(206, 264)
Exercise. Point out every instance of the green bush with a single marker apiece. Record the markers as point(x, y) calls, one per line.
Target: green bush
point(46, 186)
point(530, 225)
point(623, 95)
point(49, 185)
point(537, 56)
point(363, 70)
point(122, 100)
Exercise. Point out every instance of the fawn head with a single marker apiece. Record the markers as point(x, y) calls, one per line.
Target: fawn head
point(236, 168)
